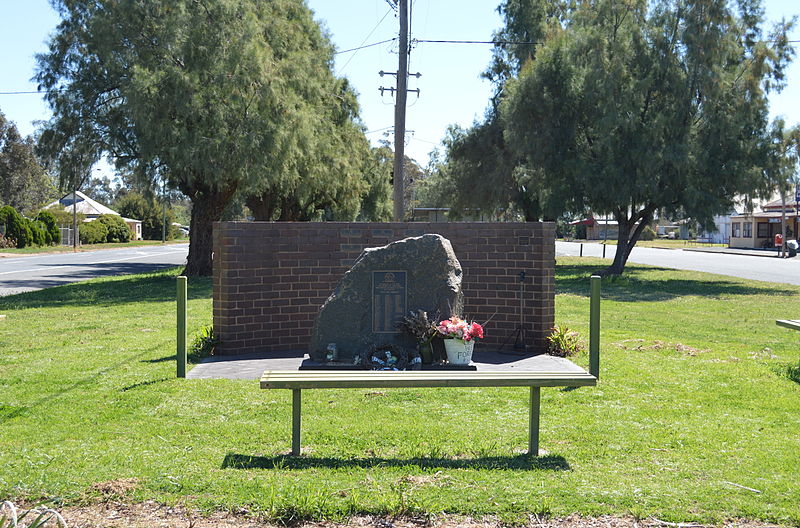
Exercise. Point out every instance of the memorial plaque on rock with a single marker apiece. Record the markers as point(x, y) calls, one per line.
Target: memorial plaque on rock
point(389, 300)
point(385, 284)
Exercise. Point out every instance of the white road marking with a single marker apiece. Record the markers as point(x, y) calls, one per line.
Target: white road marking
point(62, 266)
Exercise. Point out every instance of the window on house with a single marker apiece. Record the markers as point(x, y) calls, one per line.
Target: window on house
point(735, 230)
point(763, 230)
point(748, 230)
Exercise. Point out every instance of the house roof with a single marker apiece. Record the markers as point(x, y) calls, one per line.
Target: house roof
point(776, 204)
point(84, 205)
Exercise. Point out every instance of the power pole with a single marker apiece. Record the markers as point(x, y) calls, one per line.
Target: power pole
point(400, 114)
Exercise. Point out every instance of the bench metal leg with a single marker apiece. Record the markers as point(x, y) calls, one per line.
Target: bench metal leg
point(296, 401)
point(533, 426)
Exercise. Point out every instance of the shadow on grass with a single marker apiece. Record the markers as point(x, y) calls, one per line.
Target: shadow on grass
point(637, 285)
point(519, 462)
point(151, 287)
point(792, 372)
point(145, 384)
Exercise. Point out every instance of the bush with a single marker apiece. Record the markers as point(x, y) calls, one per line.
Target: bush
point(648, 234)
point(136, 206)
point(50, 224)
point(38, 232)
point(93, 232)
point(17, 226)
point(563, 342)
point(118, 230)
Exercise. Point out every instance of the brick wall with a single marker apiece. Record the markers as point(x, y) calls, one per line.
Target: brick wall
point(270, 278)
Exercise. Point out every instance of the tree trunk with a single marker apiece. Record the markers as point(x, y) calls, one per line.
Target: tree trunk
point(263, 206)
point(207, 208)
point(626, 240)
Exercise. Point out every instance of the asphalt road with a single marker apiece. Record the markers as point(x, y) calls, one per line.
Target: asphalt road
point(766, 268)
point(27, 273)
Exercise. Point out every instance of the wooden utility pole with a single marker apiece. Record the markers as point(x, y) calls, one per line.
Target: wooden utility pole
point(400, 115)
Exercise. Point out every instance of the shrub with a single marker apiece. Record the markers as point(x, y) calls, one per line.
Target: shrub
point(38, 232)
point(648, 234)
point(17, 226)
point(118, 230)
point(93, 232)
point(203, 344)
point(50, 224)
point(563, 342)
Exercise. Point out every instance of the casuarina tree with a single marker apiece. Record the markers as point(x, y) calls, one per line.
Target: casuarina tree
point(205, 94)
point(631, 107)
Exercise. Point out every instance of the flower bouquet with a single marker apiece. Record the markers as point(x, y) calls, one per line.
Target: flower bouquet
point(459, 339)
point(420, 327)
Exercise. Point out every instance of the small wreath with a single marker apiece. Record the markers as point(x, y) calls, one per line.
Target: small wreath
point(391, 357)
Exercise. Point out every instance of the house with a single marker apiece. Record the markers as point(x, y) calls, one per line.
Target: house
point(599, 228)
point(91, 209)
point(758, 229)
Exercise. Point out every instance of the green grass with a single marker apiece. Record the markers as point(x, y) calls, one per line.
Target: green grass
point(700, 392)
point(87, 247)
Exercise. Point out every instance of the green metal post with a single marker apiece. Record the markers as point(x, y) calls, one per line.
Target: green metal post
point(533, 424)
point(296, 402)
point(181, 350)
point(594, 327)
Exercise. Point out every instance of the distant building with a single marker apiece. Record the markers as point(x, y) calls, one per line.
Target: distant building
point(757, 229)
point(91, 209)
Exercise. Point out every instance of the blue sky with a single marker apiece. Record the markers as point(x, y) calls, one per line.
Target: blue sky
point(451, 88)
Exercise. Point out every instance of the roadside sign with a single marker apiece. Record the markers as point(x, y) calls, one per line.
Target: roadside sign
point(796, 194)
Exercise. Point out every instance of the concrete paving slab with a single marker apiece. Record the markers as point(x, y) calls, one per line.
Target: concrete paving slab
point(251, 366)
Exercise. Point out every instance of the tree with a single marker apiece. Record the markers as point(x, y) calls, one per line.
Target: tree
point(480, 170)
point(151, 214)
point(631, 107)
point(24, 184)
point(211, 96)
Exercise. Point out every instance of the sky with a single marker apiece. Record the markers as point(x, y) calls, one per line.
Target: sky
point(451, 90)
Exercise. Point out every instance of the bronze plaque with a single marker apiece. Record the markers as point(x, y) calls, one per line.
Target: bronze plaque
point(389, 296)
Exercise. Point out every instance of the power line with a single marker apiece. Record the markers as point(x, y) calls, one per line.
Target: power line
point(366, 46)
point(363, 41)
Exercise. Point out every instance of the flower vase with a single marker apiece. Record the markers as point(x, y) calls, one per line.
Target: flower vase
point(426, 352)
point(459, 352)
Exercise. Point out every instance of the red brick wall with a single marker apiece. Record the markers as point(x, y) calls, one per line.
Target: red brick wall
point(270, 278)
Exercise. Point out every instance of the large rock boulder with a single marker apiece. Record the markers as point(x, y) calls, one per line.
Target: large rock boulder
point(384, 284)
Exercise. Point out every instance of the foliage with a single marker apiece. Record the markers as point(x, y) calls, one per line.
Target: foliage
point(634, 107)
point(563, 342)
point(17, 227)
point(93, 232)
point(150, 212)
point(50, 225)
point(203, 344)
point(119, 412)
point(231, 95)
point(648, 234)
point(376, 203)
point(24, 184)
point(118, 230)
point(63, 217)
point(419, 326)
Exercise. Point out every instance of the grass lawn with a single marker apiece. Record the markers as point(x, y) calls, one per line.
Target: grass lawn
point(87, 247)
point(699, 400)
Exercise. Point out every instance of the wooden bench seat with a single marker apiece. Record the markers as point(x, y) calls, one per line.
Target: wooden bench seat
point(570, 375)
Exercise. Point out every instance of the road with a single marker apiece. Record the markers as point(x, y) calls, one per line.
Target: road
point(27, 273)
point(770, 269)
